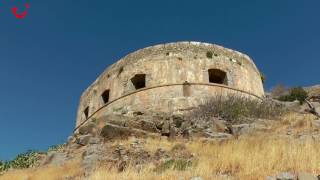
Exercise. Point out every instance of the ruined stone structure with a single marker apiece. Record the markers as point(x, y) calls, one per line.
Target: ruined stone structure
point(169, 78)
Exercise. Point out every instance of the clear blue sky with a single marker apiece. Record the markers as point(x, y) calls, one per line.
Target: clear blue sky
point(51, 56)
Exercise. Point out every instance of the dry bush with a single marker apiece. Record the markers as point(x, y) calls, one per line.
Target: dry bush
point(296, 123)
point(236, 109)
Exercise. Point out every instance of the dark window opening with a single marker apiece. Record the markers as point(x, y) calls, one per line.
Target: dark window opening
point(139, 81)
point(86, 112)
point(120, 71)
point(217, 76)
point(105, 96)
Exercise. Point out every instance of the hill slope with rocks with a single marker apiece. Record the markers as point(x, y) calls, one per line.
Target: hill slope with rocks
point(232, 138)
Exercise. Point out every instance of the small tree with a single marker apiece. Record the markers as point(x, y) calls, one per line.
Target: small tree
point(4, 166)
point(296, 93)
point(24, 160)
point(1, 166)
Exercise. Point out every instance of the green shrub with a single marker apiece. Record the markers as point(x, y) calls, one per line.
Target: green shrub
point(296, 93)
point(175, 164)
point(25, 160)
point(4, 166)
point(236, 109)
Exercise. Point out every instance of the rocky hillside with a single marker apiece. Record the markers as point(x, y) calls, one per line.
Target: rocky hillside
point(313, 90)
point(223, 139)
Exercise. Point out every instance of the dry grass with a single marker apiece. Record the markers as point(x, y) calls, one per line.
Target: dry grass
point(246, 158)
point(294, 122)
point(71, 169)
point(252, 157)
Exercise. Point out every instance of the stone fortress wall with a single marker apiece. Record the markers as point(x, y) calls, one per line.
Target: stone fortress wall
point(170, 78)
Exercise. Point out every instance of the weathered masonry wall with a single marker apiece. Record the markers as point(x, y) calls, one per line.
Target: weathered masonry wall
point(170, 78)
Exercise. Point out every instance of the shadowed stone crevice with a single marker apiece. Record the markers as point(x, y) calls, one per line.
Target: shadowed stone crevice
point(86, 112)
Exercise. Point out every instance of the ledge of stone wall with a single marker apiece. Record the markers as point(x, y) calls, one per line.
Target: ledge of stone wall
point(177, 84)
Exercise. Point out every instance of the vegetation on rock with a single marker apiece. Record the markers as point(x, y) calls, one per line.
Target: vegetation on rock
point(24, 160)
point(236, 109)
point(295, 93)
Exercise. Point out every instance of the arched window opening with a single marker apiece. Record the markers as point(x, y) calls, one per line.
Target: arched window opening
point(86, 112)
point(139, 81)
point(217, 76)
point(105, 96)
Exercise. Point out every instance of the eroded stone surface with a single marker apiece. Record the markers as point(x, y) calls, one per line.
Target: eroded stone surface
point(55, 158)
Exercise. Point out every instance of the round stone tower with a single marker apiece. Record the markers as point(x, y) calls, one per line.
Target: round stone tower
point(170, 78)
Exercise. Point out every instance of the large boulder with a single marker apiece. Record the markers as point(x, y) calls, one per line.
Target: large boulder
point(55, 158)
point(148, 125)
point(115, 119)
point(83, 139)
point(316, 107)
point(141, 121)
point(92, 155)
point(219, 125)
point(241, 129)
point(89, 128)
point(111, 131)
point(217, 135)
